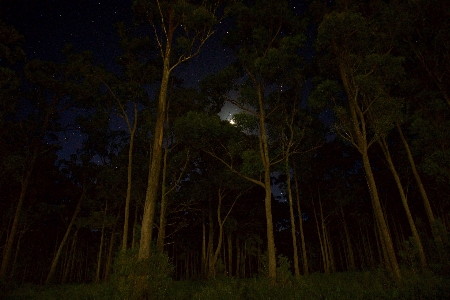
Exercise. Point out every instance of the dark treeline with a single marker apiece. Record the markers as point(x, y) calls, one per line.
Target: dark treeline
point(337, 161)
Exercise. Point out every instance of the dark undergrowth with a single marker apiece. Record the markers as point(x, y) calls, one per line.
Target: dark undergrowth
point(348, 285)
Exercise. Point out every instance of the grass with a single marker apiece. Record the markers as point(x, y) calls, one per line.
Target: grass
point(348, 285)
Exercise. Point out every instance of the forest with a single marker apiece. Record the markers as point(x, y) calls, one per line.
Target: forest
point(330, 179)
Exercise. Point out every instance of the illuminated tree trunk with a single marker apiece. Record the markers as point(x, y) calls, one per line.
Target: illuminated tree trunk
point(155, 164)
point(423, 193)
point(264, 150)
point(359, 133)
point(163, 211)
point(291, 213)
point(129, 181)
point(302, 235)
point(417, 241)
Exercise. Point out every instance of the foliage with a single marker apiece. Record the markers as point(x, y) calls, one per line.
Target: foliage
point(135, 279)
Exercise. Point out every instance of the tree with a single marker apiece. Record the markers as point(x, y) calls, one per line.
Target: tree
point(265, 42)
point(363, 63)
point(181, 26)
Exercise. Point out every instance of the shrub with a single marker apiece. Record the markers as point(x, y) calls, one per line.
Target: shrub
point(146, 279)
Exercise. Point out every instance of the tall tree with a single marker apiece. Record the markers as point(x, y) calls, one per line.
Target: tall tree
point(182, 26)
point(265, 42)
point(359, 47)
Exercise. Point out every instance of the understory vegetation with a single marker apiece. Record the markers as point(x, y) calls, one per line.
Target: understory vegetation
point(345, 285)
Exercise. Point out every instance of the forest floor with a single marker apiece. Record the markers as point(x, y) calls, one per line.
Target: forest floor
point(346, 285)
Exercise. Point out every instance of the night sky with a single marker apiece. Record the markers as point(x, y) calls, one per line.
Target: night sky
point(48, 25)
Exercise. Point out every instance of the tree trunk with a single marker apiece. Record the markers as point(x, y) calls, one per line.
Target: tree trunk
point(322, 244)
point(302, 235)
point(204, 255)
point(417, 241)
point(423, 193)
point(264, 151)
point(58, 253)
point(15, 224)
point(291, 213)
point(210, 239)
point(69, 265)
point(351, 257)
point(238, 258)
point(129, 182)
point(213, 261)
point(155, 164)
point(230, 255)
point(359, 140)
point(100, 251)
point(133, 241)
point(163, 212)
point(384, 231)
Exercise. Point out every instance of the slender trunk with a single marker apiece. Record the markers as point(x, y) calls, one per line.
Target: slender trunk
point(359, 138)
point(210, 239)
point(155, 164)
point(330, 251)
point(238, 258)
point(325, 242)
point(417, 241)
point(109, 260)
point(66, 236)
point(204, 255)
point(133, 241)
point(383, 228)
point(15, 224)
point(322, 248)
point(291, 212)
point(213, 261)
point(129, 182)
point(264, 151)
point(16, 255)
point(163, 212)
point(100, 251)
point(72, 264)
point(300, 217)
point(69, 266)
point(230, 255)
point(423, 193)
point(112, 240)
point(351, 257)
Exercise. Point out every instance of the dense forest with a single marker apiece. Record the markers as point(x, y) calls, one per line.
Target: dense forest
point(337, 161)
